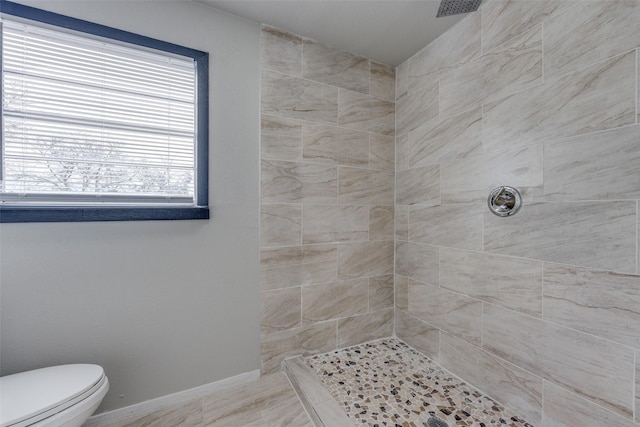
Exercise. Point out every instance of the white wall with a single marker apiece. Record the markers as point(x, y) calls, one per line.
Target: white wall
point(163, 306)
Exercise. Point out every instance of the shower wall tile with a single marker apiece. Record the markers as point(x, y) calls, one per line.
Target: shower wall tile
point(590, 234)
point(513, 283)
point(294, 182)
point(365, 259)
point(444, 141)
point(280, 310)
point(381, 152)
point(365, 327)
point(417, 108)
point(637, 385)
point(596, 98)
point(418, 186)
point(403, 155)
point(638, 86)
point(575, 40)
point(402, 80)
point(334, 145)
point(402, 222)
point(458, 226)
point(598, 369)
point(328, 65)
point(297, 265)
point(280, 225)
point(417, 261)
point(510, 385)
point(382, 81)
point(381, 292)
point(418, 334)
point(451, 312)
point(288, 96)
point(513, 67)
point(363, 186)
point(334, 223)
point(597, 166)
point(381, 223)
point(471, 179)
point(365, 113)
point(401, 292)
point(334, 300)
point(601, 303)
point(281, 51)
point(280, 138)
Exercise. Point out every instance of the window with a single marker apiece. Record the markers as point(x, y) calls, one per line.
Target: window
point(99, 124)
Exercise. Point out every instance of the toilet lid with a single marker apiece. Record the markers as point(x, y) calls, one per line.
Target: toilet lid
point(43, 392)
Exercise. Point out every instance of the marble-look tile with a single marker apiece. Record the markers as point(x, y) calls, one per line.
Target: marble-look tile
point(418, 186)
point(334, 223)
point(457, 46)
point(305, 382)
point(294, 97)
point(454, 313)
point(280, 138)
point(365, 327)
point(458, 226)
point(401, 291)
point(280, 225)
point(598, 166)
point(416, 109)
point(402, 80)
point(443, 141)
point(328, 65)
point(417, 261)
point(601, 303)
point(381, 223)
point(593, 99)
point(382, 81)
point(334, 300)
point(512, 386)
point(381, 292)
point(589, 234)
point(297, 265)
point(187, 414)
point(638, 84)
point(364, 186)
point(637, 385)
point(293, 182)
point(366, 113)
point(381, 152)
point(513, 283)
point(419, 335)
point(403, 156)
point(515, 66)
point(280, 310)
point(597, 369)
point(365, 259)
point(290, 414)
point(563, 408)
point(281, 51)
point(575, 40)
point(402, 222)
point(334, 145)
point(471, 179)
point(313, 339)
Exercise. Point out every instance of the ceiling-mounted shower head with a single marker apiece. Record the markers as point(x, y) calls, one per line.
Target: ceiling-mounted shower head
point(455, 7)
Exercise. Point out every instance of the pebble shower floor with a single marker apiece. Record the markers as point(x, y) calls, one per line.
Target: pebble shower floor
point(387, 383)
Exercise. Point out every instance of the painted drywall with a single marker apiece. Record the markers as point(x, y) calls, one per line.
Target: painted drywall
point(163, 306)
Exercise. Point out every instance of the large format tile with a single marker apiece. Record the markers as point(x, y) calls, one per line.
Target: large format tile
point(402, 80)
point(280, 138)
point(381, 151)
point(515, 66)
point(328, 65)
point(281, 51)
point(288, 96)
point(418, 186)
point(512, 386)
point(382, 81)
point(458, 226)
point(589, 234)
point(381, 219)
point(187, 414)
point(598, 166)
point(365, 327)
point(334, 300)
point(297, 265)
point(402, 222)
point(290, 414)
point(454, 313)
point(280, 225)
point(638, 85)
point(638, 385)
point(366, 113)
point(334, 145)
point(365, 259)
point(280, 310)
point(293, 182)
point(416, 109)
point(601, 303)
point(364, 186)
point(334, 223)
point(591, 32)
point(418, 334)
point(593, 99)
point(381, 292)
point(402, 152)
point(597, 369)
point(417, 261)
point(401, 292)
point(509, 282)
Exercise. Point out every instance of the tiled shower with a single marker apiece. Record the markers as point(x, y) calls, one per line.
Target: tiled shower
point(362, 165)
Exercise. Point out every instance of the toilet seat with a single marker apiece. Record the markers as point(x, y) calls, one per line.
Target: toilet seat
point(29, 397)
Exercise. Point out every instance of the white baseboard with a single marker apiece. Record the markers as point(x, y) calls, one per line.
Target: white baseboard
point(149, 406)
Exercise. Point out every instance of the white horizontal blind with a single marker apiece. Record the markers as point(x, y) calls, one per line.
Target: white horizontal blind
point(91, 121)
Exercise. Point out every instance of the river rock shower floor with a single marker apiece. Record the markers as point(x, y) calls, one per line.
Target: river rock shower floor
point(386, 383)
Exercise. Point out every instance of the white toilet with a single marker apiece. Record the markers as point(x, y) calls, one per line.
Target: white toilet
point(63, 395)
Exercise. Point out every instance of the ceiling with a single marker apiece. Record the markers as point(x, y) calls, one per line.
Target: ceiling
point(387, 31)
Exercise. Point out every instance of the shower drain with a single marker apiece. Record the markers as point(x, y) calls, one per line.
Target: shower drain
point(436, 422)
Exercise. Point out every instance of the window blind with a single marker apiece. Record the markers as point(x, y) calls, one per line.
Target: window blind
point(88, 120)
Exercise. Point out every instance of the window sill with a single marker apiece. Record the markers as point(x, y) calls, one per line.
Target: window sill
point(15, 214)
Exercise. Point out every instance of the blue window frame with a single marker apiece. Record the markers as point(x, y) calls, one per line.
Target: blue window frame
point(175, 188)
